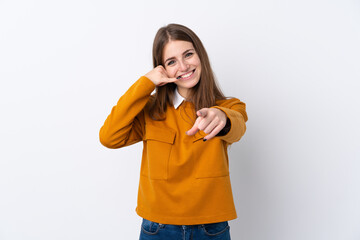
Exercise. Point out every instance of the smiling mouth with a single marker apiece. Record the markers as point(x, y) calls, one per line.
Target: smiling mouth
point(186, 75)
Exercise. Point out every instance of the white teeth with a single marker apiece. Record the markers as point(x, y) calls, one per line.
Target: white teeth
point(186, 75)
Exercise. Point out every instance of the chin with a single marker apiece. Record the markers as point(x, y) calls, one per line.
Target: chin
point(189, 85)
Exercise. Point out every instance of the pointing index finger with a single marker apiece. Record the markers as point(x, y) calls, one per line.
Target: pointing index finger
point(194, 128)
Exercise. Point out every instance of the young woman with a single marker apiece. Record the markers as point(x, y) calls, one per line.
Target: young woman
point(186, 128)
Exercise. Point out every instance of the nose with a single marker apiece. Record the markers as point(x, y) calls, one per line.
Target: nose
point(183, 66)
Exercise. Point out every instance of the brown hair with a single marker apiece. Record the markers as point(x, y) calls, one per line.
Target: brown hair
point(204, 94)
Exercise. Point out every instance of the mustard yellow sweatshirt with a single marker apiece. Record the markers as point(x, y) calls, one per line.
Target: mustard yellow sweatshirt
point(183, 180)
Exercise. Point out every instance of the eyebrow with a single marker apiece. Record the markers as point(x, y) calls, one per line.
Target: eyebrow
point(191, 49)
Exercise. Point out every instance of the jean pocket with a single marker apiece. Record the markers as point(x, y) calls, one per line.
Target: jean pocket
point(215, 229)
point(150, 227)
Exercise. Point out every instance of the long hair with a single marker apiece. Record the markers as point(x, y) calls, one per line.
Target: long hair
point(204, 94)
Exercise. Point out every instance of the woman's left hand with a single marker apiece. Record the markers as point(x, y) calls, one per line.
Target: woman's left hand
point(210, 121)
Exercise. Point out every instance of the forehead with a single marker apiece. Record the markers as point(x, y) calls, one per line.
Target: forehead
point(176, 48)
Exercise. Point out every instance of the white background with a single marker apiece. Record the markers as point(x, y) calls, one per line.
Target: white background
point(64, 64)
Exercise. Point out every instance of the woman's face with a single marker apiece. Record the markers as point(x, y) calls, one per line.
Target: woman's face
point(182, 62)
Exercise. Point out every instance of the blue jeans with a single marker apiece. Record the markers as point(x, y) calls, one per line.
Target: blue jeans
point(157, 231)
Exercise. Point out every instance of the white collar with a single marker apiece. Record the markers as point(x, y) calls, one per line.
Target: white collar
point(178, 99)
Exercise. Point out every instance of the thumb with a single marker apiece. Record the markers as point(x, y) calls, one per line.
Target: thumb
point(172, 79)
point(202, 112)
point(168, 79)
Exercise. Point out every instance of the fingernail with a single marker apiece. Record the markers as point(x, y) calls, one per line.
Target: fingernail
point(204, 139)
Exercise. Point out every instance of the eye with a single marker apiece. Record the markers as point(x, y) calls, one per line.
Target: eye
point(189, 54)
point(171, 62)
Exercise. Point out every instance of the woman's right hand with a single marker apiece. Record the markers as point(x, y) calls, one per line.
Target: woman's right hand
point(159, 76)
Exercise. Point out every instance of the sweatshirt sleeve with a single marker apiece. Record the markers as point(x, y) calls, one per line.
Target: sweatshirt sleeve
point(125, 124)
point(235, 111)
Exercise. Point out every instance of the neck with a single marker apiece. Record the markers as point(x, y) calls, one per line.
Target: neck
point(183, 92)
